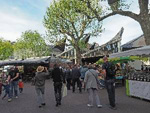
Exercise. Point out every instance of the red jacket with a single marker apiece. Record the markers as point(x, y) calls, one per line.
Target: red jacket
point(21, 84)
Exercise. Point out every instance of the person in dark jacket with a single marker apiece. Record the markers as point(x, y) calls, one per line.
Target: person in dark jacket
point(68, 77)
point(83, 70)
point(76, 78)
point(40, 78)
point(57, 76)
point(108, 69)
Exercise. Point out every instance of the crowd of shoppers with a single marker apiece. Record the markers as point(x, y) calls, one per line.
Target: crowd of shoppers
point(82, 77)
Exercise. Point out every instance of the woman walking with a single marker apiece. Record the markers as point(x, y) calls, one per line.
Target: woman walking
point(90, 80)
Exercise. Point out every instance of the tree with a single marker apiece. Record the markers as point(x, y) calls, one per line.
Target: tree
point(120, 7)
point(31, 44)
point(62, 20)
point(6, 49)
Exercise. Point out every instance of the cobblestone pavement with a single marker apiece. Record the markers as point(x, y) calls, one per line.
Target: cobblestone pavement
point(72, 103)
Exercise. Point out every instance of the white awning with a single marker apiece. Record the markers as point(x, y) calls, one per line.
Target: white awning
point(143, 51)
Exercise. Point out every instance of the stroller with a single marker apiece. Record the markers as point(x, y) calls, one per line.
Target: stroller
point(6, 89)
point(102, 83)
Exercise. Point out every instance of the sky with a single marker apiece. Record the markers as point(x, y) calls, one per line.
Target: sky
point(17, 16)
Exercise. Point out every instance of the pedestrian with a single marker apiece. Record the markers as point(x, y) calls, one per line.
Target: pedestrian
point(91, 85)
point(13, 77)
point(21, 85)
point(40, 77)
point(68, 77)
point(83, 70)
point(76, 78)
point(109, 73)
point(0, 84)
point(58, 79)
point(6, 85)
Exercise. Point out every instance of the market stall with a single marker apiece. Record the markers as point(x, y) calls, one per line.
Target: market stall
point(120, 70)
point(138, 82)
point(34, 61)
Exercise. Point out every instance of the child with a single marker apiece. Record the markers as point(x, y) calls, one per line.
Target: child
point(21, 85)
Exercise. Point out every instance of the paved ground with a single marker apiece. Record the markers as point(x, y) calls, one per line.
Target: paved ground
point(72, 103)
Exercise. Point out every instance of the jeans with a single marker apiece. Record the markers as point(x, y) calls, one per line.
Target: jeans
point(40, 94)
point(93, 93)
point(13, 89)
point(57, 89)
point(78, 84)
point(110, 86)
point(68, 83)
point(20, 90)
point(0, 88)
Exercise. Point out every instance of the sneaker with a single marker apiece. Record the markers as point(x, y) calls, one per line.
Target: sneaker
point(99, 106)
point(40, 106)
point(114, 108)
point(59, 103)
point(9, 100)
point(89, 105)
point(16, 96)
point(43, 104)
point(56, 104)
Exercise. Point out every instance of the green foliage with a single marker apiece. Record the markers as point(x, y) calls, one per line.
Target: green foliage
point(62, 20)
point(6, 49)
point(82, 44)
point(123, 59)
point(31, 44)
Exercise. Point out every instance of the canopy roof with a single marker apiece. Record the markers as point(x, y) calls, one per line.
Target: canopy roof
point(143, 51)
point(34, 61)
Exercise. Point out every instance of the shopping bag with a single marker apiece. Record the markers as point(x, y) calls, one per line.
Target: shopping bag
point(33, 81)
point(64, 91)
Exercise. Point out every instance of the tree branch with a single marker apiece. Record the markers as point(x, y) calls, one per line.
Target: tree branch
point(84, 26)
point(143, 4)
point(72, 23)
point(123, 13)
point(84, 13)
point(66, 32)
point(93, 10)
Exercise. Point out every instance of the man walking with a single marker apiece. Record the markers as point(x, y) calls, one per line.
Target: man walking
point(109, 72)
point(58, 79)
point(13, 77)
point(75, 78)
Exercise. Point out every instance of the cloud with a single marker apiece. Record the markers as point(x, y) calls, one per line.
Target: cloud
point(12, 25)
point(15, 20)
